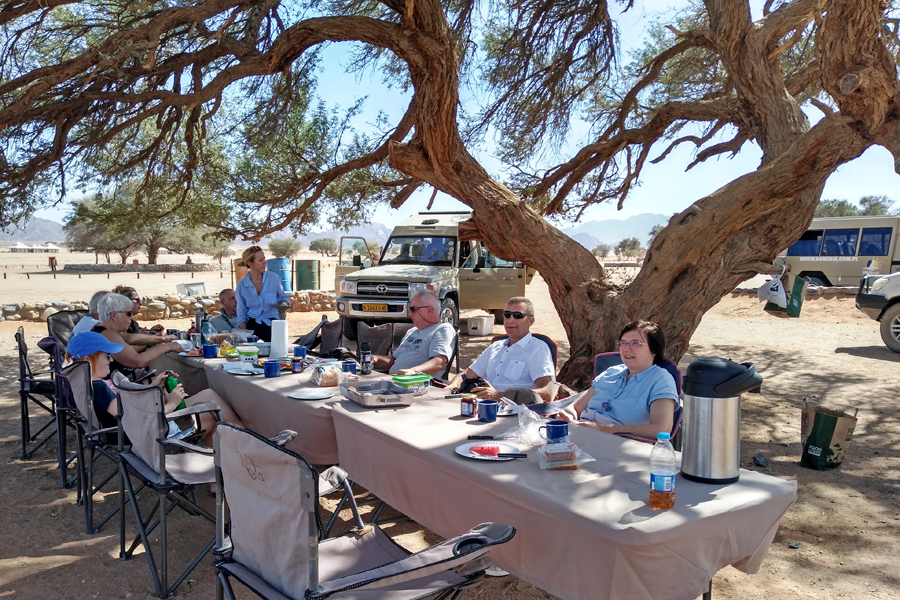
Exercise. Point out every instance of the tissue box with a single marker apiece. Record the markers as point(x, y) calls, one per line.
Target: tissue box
point(418, 383)
point(481, 325)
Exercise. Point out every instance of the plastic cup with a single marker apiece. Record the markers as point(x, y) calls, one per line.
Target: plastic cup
point(272, 368)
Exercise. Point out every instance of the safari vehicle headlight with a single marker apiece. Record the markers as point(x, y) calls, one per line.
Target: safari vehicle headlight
point(348, 287)
point(879, 283)
point(415, 287)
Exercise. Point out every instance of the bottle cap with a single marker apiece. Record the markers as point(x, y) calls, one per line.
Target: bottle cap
point(662, 435)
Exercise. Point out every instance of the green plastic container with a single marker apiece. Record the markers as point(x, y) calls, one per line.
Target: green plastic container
point(307, 274)
point(418, 383)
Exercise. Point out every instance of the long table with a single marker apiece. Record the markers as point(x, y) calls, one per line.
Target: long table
point(580, 534)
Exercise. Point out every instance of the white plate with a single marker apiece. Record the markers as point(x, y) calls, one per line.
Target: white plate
point(311, 395)
point(241, 369)
point(463, 450)
point(505, 411)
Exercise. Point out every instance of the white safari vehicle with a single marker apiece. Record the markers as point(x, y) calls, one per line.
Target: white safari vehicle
point(423, 252)
point(879, 297)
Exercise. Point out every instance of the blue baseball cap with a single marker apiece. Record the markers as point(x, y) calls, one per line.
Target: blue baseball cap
point(89, 342)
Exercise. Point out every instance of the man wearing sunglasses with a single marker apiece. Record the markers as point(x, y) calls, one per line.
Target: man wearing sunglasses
point(519, 362)
point(427, 347)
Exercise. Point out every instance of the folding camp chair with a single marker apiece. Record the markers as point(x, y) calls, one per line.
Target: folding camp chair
point(60, 325)
point(274, 547)
point(65, 410)
point(380, 337)
point(312, 339)
point(605, 360)
point(94, 442)
point(332, 335)
point(445, 374)
point(36, 389)
point(143, 419)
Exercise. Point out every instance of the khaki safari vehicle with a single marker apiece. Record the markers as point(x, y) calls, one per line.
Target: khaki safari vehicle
point(423, 252)
point(837, 251)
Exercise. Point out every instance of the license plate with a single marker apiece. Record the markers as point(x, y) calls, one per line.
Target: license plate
point(375, 307)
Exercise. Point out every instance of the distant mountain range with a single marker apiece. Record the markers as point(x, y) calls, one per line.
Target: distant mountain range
point(34, 230)
point(589, 235)
point(613, 231)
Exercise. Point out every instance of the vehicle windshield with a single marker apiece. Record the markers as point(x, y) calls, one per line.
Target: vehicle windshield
point(435, 250)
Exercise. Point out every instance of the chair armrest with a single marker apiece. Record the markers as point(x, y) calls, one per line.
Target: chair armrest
point(193, 409)
point(187, 446)
point(97, 432)
point(283, 437)
point(455, 553)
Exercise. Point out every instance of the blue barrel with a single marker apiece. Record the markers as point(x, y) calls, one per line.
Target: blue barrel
point(282, 266)
point(307, 274)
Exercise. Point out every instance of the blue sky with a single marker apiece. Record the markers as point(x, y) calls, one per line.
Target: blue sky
point(664, 188)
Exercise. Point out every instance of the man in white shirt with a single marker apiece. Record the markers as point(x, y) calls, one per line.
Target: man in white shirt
point(519, 362)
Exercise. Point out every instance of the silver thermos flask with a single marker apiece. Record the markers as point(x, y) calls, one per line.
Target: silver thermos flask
point(711, 446)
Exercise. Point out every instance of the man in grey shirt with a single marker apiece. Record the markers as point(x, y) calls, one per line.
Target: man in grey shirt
point(427, 347)
point(226, 320)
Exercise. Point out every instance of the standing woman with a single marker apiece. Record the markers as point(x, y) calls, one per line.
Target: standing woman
point(258, 295)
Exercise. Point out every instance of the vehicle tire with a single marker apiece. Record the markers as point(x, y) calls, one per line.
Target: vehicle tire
point(349, 328)
point(816, 281)
point(890, 327)
point(498, 315)
point(449, 312)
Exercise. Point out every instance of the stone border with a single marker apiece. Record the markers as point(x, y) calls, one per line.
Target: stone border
point(170, 306)
point(145, 268)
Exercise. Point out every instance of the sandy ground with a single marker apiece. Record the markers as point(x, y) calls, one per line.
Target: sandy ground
point(847, 521)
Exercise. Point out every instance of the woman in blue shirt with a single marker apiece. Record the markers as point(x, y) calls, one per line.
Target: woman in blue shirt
point(259, 294)
point(637, 397)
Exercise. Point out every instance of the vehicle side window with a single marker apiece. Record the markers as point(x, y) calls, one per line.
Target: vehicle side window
point(498, 263)
point(875, 241)
point(840, 242)
point(808, 244)
point(465, 249)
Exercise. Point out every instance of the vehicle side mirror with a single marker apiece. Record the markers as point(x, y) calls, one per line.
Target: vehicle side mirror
point(357, 260)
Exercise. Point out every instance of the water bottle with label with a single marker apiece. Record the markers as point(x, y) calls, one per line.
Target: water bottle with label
point(662, 473)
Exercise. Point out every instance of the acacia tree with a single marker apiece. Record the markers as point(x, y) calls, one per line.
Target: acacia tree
point(118, 87)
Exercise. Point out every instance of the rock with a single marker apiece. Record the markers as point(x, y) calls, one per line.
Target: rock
point(60, 305)
point(31, 315)
point(13, 317)
point(47, 312)
point(794, 545)
point(10, 308)
point(156, 306)
point(27, 308)
point(760, 460)
point(173, 299)
point(206, 303)
point(317, 307)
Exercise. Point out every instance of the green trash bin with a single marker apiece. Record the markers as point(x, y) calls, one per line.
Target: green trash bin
point(307, 274)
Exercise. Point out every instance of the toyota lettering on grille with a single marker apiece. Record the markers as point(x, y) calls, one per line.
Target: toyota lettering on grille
point(381, 289)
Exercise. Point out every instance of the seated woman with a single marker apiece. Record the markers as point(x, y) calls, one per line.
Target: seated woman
point(115, 311)
point(637, 397)
point(92, 347)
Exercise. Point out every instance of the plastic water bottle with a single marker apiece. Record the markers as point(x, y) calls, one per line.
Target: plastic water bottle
point(662, 473)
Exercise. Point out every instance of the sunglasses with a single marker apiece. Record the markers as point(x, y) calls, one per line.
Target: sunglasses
point(255, 248)
point(514, 314)
point(124, 312)
point(413, 309)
